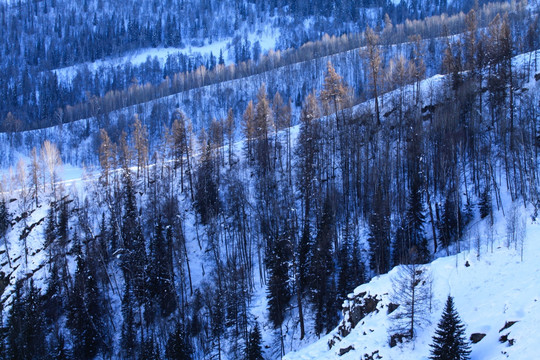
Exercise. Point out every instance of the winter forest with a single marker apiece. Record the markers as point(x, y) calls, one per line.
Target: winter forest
point(223, 195)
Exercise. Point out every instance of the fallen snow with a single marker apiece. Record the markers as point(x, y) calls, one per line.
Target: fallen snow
point(267, 39)
point(497, 287)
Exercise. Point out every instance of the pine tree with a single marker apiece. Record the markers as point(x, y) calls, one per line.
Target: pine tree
point(449, 341)
point(253, 348)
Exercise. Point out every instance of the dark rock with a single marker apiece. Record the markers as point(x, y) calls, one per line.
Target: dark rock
point(397, 338)
point(392, 307)
point(358, 308)
point(507, 325)
point(477, 337)
point(343, 351)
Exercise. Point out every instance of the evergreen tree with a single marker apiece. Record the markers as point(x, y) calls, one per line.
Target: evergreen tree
point(321, 271)
point(85, 313)
point(206, 187)
point(26, 330)
point(14, 338)
point(58, 348)
point(484, 203)
point(449, 222)
point(103, 247)
point(358, 276)
point(217, 319)
point(379, 234)
point(33, 328)
point(134, 259)
point(53, 299)
point(345, 274)
point(178, 347)
point(63, 224)
point(5, 218)
point(128, 340)
point(417, 250)
point(160, 282)
point(449, 341)
point(253, 348)
point(304, 259)
point(278, 290)
point(50, 233)
point(149, 350)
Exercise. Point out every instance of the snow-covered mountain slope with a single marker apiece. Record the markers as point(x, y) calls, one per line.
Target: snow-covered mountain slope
point(490, 290)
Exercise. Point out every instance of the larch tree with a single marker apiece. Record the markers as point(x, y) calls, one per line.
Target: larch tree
point(373, 55)
point(263, 128)
point(418, 66)
point(471, 41)
point(249, 129)
point(412, 291)
point(334, 93)
point(308, 147)
point(107, 157)
point(35, 170)
point(52, 160)
point(140, 138)
point(229, 130)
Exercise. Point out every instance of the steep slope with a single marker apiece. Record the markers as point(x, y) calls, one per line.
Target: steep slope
point(491, 290)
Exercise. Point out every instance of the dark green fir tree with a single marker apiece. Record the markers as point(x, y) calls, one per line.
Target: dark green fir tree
point(449, 341)
point(253, 348)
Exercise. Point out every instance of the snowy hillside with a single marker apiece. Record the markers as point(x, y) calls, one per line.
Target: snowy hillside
point(491, 289)
point(319, 202)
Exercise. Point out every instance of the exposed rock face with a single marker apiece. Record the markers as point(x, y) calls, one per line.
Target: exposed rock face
point(356, 309)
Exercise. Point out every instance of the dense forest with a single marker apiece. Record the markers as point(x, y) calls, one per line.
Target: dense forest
point(39, 38)
point(166, 250)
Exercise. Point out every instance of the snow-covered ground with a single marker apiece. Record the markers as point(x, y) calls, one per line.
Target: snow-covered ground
point(267, 38)
point(497, 287)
